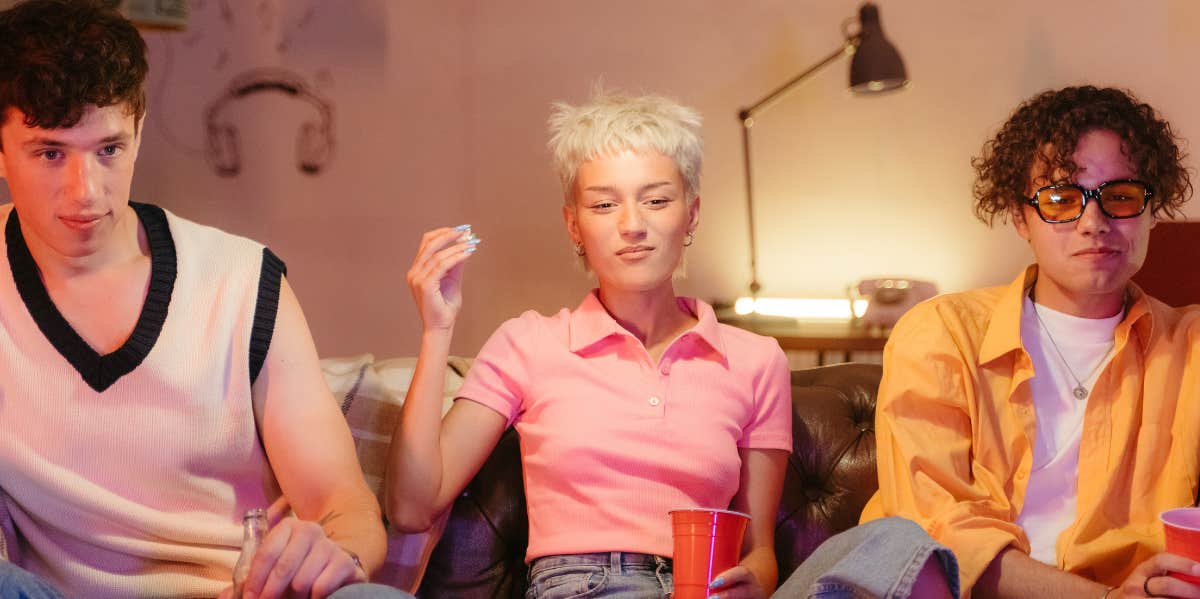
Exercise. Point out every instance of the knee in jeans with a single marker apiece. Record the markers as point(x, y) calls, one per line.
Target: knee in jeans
point(16, 582)
point(897, 526)
point(369, 591)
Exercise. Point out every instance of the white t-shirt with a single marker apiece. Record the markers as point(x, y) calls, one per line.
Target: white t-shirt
point(1086, 344)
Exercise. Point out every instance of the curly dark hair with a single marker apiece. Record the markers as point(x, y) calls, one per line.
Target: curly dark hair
point(1058, 118)
point(59, 56)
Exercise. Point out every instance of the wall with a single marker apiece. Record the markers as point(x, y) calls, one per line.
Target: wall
point(440, 112)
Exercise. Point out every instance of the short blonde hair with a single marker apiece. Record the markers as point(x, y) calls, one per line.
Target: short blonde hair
point(611, 123)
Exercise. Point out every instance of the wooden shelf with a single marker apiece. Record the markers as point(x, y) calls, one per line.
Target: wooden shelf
point(818, 336)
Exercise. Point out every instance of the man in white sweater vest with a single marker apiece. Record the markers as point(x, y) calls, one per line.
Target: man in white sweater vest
point(157, 377)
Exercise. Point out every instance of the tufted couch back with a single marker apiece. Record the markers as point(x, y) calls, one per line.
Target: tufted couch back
point(830, 477)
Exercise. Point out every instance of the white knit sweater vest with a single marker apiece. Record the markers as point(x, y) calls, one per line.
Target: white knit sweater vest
point(127, 475)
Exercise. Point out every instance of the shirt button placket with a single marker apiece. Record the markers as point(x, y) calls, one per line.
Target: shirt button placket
point(658, 400)
point(656, 405)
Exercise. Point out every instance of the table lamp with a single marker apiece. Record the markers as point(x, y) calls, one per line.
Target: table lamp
point(876, 67)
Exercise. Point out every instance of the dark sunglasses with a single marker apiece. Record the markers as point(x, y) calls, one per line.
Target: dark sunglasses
point(1065, 202)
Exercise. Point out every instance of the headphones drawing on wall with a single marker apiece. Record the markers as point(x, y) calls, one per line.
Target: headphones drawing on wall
point(314, 143)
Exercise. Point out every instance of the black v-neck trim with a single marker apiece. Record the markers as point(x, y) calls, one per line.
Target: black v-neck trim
point(100, 371)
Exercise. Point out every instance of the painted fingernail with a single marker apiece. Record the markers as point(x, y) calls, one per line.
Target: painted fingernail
point(471, 250)
point(473, 240)
point(463, 228)
point(717, 582)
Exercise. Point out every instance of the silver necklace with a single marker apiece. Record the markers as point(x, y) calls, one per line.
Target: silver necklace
point(1080, 392)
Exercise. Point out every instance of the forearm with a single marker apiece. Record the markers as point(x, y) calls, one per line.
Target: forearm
point(761, 483)
point(414, 473)
point(761, 562)
point(355, 525)
point(1014, 575)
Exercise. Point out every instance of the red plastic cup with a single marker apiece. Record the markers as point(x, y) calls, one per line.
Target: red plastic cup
point(1182, 528)
point(707, 542)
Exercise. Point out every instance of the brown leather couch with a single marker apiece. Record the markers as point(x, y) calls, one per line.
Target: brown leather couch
point(830, 477)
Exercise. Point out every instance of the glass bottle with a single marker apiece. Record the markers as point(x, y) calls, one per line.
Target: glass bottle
point(254, 526)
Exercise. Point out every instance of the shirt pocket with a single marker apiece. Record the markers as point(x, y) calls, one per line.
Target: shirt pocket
point(571, 581)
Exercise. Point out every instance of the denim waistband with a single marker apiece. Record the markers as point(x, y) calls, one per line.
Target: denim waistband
point(617, 560)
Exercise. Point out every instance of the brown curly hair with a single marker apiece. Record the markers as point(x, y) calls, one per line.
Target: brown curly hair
point(59, 56)
point(1058, 118)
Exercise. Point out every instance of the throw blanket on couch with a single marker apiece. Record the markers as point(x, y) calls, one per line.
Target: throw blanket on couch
point(370, 394)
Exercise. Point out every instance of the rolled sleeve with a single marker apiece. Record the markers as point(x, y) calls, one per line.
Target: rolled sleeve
point(502, 368)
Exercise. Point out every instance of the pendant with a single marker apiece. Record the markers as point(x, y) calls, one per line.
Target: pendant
point(1080, 392)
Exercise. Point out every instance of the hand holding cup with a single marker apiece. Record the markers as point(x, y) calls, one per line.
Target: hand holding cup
point(708, 544)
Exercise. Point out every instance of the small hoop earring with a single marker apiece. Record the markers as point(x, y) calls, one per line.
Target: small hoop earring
point(689, 240)
point(579, 251)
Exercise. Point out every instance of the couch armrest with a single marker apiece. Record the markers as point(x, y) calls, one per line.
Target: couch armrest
point(831, 472)
point(482, 553)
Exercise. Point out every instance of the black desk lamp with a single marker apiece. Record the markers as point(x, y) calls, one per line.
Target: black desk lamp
point(875, 68)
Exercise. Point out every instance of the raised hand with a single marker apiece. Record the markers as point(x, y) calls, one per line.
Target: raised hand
point(435, 278)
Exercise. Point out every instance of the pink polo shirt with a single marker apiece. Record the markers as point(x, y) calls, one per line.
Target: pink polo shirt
point(611, 441)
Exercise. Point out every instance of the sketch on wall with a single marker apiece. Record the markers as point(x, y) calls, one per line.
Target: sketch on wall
point(245, 49)
point(314, 141)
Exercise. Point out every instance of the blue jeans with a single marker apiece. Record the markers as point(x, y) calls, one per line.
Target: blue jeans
point(613, 575)
point(879, 559)
point(16, 583)
point(369, 591)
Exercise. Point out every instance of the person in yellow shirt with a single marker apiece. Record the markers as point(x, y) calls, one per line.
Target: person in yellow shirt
point(1038, 429)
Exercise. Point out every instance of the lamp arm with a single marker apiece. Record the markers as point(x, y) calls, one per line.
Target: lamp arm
point(767, 101)
point(747, 122)
point(746, 115)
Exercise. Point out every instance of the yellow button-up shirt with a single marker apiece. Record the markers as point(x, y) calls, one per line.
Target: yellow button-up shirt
point(955, 427)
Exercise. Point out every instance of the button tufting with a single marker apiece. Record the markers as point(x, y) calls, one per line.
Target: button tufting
point(654, 401)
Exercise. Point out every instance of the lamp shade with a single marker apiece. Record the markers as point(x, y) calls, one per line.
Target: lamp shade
point(877, 66)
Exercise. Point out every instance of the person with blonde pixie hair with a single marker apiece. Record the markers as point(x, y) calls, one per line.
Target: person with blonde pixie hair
point(613, 123)
point(635, 403)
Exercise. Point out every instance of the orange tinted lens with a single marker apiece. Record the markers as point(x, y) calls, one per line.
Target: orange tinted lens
point(1060, 203)
point(1123, 199)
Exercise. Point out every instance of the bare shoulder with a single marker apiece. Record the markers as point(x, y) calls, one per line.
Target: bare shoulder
point(291, 372)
